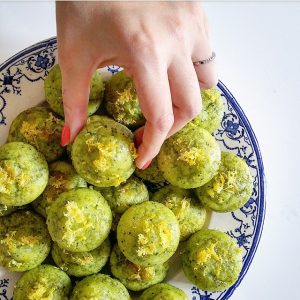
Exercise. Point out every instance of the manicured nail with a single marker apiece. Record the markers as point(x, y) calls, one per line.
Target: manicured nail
point(138, 137)
point(65, 136)
point(146, 165)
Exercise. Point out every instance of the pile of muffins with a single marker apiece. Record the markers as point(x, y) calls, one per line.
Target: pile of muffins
point(85, 214)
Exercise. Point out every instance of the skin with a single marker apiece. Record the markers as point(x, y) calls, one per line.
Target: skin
point(146, 46)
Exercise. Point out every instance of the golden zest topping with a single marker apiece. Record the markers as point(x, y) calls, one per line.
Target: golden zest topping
point(209, 253)
point(75, 217)
point(154, 235)
point(224, 181)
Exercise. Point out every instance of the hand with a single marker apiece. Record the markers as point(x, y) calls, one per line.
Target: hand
point(155, 43)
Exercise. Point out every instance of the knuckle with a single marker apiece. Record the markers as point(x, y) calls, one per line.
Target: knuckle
point(164, 123)
point(177, 29)
point(191, 112)
point(208, 83)
point(195, 110)
point(67, 106)
point(142, 44)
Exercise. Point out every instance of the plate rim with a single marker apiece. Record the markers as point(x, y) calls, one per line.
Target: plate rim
point(262, 191)
point(262, 179)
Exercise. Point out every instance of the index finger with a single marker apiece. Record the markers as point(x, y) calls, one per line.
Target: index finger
point(152, 86)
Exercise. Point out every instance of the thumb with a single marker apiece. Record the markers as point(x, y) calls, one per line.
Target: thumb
point(75, 90)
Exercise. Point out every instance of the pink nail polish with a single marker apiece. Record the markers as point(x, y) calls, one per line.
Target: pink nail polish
point(146, 165)
point(65, 135)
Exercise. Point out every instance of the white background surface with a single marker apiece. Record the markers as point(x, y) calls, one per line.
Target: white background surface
point(258, 52)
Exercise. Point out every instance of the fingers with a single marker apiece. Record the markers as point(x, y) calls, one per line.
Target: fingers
point(206, 73)
point(155, 99)
point(75, 87)
point(185, 91)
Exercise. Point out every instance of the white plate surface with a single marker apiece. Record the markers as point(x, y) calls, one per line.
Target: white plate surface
point(21, 87)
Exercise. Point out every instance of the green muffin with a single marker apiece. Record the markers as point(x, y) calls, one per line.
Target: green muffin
point(103, 153)
point(212, 260)
point(6, 210)
point(152, 173)
point(212, 110)
point(121, 100)
point(81, 263)
point(231, 188)
point(121, 197)
point(148, 233)
point(185, 206)
point(189, 158)
point(23, 174)
point(62, 177)
point(43, 283)
point(38, 127)
point(24, 241)
point(53, 91)
point(163, 291)
point(79, 220)
point(99, 287)
point(134, 277)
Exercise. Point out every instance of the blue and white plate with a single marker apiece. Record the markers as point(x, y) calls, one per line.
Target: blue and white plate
point(21, 87)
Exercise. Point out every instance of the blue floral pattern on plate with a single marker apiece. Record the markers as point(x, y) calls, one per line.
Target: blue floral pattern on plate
point(235, 135)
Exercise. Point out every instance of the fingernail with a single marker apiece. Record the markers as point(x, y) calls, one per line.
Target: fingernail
point(65, 136)
point(138, 137)
point(146, 165)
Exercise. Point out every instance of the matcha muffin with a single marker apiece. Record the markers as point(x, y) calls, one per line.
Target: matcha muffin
point(81, 263)
point(24, 241)
point(38, 127)
point(212, 110)
point(53, 91)
point(212, 260)
point(189, 158)
point(6, 210)
point(79, 220)
point(121, 197)
point(43, 283)
point(134, 277)
point(152, 173)
point(99, 287)
point(231, 188)
point(121, 100)
point(163, 291)
point(103, 153)
point(62, 177)
point(148, 233)
point(185, 206)
point(23, 174)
